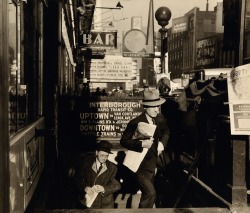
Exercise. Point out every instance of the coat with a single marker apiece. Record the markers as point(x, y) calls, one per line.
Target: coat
point(161, 134)
point(86, 175)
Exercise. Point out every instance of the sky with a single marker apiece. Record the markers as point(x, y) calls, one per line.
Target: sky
point(121, 19)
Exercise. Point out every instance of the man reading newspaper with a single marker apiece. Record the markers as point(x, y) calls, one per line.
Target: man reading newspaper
point(95, 178)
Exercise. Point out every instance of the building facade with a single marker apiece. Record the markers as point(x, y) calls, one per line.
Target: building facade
point(184, 34)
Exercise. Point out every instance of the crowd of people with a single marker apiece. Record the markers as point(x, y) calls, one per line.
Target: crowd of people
point(98, 92)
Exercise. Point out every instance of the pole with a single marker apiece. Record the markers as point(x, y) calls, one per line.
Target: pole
point(163, 32)
point(242, 21)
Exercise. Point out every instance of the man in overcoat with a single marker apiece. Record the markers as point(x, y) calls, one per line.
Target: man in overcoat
point(146, 171)
point(96, 175)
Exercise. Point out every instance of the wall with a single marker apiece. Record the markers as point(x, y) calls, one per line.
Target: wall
point(26, 164)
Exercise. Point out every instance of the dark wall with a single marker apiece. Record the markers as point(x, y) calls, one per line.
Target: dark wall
point(50, 76)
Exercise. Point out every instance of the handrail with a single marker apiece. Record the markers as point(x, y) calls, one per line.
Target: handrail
point(23, 132)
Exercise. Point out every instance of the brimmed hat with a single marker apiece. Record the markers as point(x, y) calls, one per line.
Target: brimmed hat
point(151, 98)
point(104, 146)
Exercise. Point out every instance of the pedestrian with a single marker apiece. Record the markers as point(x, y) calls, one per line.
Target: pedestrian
point(155, 145)
point(85, 91)
point(104, 93)
point(121, 93)
point(96, 175)
point(97, 92)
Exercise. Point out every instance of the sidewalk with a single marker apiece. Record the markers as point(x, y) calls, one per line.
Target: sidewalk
point(181, 210)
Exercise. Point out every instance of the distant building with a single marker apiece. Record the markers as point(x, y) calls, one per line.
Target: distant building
point(184, 34)
point(175, 54)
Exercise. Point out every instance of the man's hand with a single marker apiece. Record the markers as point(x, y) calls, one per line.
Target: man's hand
point(147, 143)
point(160, 148)
point(90, 191)
point(99, 188)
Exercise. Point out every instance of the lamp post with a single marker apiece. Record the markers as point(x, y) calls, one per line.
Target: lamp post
point(163, 15)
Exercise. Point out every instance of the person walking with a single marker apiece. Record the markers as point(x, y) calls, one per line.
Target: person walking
point(155, 145)
point(95, 177)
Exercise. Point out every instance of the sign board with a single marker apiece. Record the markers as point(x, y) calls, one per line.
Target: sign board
point(99, 39)
point(179, 24)
point(134, 44)
point(136, 22)
point(239, 99)
point(110, 69)
point(206, 49)
point(107, 119)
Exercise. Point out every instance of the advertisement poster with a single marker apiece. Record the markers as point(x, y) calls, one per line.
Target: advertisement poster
point(239, 99)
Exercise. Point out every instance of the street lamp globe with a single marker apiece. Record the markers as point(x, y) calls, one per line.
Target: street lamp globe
point(163, 15)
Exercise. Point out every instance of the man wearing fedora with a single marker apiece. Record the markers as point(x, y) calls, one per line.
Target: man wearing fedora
point(146, 171)
point(96, 175)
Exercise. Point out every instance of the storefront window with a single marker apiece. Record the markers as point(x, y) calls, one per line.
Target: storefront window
point(25, 62)
point(17, 92)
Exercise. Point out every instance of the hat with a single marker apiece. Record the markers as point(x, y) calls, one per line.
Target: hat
point(151, 98)
point(104, 146)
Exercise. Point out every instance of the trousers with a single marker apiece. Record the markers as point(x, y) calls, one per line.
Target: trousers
point(148, 193)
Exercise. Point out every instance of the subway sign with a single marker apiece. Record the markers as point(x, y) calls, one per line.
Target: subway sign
point(107, 39)
point(107, 118)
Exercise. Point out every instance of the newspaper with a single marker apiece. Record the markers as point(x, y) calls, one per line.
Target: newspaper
point(90, 199)
point(239, 99)
point(133, 159)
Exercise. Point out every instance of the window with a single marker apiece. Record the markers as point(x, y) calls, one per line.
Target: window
point(191, 24)
point(25, 84)
point(17, 92)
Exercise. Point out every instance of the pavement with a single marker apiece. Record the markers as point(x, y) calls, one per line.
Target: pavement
point(165, 210)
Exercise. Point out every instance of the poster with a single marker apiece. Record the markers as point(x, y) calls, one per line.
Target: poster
point(239, 99)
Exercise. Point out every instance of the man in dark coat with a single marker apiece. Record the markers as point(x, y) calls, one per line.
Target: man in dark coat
point(146, 171)
point(96, 176)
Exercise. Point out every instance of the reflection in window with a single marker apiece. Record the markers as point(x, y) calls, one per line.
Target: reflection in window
point(13, 72)
point(17, 107)
point(17, 92)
